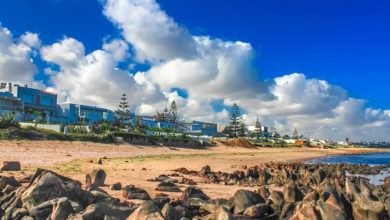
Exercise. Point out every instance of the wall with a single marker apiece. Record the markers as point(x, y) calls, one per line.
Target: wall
point(52, 127)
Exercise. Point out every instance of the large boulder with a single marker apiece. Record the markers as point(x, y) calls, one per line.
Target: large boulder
point(97, 177)
point(11, 166)
point(55, 209)
point(167, 187)
point(304, 212)
point(256, 211)
point(193, 192)
point(244, 199)
point(291, 193)
point(147, 211)
point(47, 185)
point(5, 180)
point(132, 192)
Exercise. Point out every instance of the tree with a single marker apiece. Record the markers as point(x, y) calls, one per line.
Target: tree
point(235, 121)
point(173, 115)
point(123, 112)
point(257, 131)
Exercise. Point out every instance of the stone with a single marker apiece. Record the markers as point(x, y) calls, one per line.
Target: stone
point(291, 193)
point(172, 212)
point(328, 212)
point(243, 199)
point(5, 180)
point(161, 201)
point(11, 166)
point(100, 161)
point(256, 211)
point(305, 212)
point(132, 192)
point(263, 192)
point(98, 177)
point(206, 170)
point(276, 197)
point(193, 192)
point(56, 209)
point(147, 211)
point(167, 187)
point(116, 186)
point(102, 210)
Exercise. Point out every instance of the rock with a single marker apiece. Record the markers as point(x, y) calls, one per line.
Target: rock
point(161, 201)
point(256, 211)
point(11, 166)
point(47, 185)
point(206, 170)
point(63, 209)
point(193, 192)
point(8, 189)
point(5, 180)
point(100, 162)
point(167, 187)
point(132, 192)
point(102, 210)
point(328, 212)
point(224, 214)
point(305, 212)
point(98, 177)
point(276, 197)
point(291, 193)
point(94, 188)
point(387, 180)
point(172, 212)
point(243, 199)
point(19, 213)
point(263, 192)
point(147, 211)
point(187, 181)
point(116, 186)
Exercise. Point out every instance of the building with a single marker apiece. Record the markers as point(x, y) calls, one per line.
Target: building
point(72, 113)
point(9, 103)
point(33, 99)
point(151, 122)
point(198, 127)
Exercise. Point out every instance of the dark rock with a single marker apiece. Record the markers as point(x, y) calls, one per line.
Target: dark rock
point(147, 210)
point(167, 187)
point(132, 192)
point(193, 192)
point(206, 170)
point(161, 201)
point(116, 186)
point(172, 212)
point(104, 210)
point(256, 211)
point(291, 193)
point(98, 177)
point(11, 166)
point(5, 180)
point(243, 199)
point(304, 212)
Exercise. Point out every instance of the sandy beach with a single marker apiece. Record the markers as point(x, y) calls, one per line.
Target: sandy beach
point(131, 164)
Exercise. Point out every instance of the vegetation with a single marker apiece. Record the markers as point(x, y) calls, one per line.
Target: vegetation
point(236, 126)
point(123, 113)
point(7, 120)
point(168, 115)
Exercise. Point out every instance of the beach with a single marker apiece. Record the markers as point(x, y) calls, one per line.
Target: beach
point(134, 164)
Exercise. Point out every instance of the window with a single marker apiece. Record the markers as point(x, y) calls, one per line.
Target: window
point(45, 100)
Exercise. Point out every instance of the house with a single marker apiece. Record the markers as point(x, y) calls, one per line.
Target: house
point(72, 113)
point(9, 103)
point(198, 127)
point(33, 99)
point(151, 122)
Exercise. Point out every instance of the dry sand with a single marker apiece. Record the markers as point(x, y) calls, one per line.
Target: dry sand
point(125, 163)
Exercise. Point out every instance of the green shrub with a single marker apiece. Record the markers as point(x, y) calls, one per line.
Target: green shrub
point(7, 120)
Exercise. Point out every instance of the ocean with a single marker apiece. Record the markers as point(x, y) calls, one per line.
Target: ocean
point(373, 159)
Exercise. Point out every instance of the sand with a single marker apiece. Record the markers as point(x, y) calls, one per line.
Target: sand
point(131, 164)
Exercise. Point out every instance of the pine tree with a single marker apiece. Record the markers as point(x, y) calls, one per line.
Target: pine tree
point(123, 112)
point(173, 115)
point(242, 129)
point(257, 128)
point(235, 121)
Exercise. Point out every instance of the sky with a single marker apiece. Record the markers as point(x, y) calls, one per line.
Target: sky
point(321, 66)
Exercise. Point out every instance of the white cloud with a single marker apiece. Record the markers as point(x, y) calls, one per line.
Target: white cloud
point(118, 49)
point(211, 69)
point(31, 39)
point(94, 78)
point(16, 64)
point(154, 35)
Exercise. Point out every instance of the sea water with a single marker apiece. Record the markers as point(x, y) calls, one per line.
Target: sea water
point(373, 159)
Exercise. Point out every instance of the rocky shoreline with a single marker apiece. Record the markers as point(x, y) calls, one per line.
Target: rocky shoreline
point(284, 191)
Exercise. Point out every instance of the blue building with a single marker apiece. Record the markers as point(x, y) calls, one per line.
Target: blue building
point(151, 122)
point(33, 99)
point(209, 129)
point(72, 113)
point(9, 103)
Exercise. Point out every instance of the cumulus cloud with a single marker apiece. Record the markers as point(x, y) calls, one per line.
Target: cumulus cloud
point(211, 69)
point(94, 78)
point(16, 63)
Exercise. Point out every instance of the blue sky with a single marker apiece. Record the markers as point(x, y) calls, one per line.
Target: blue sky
point(319, 66)
point(343, 42)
